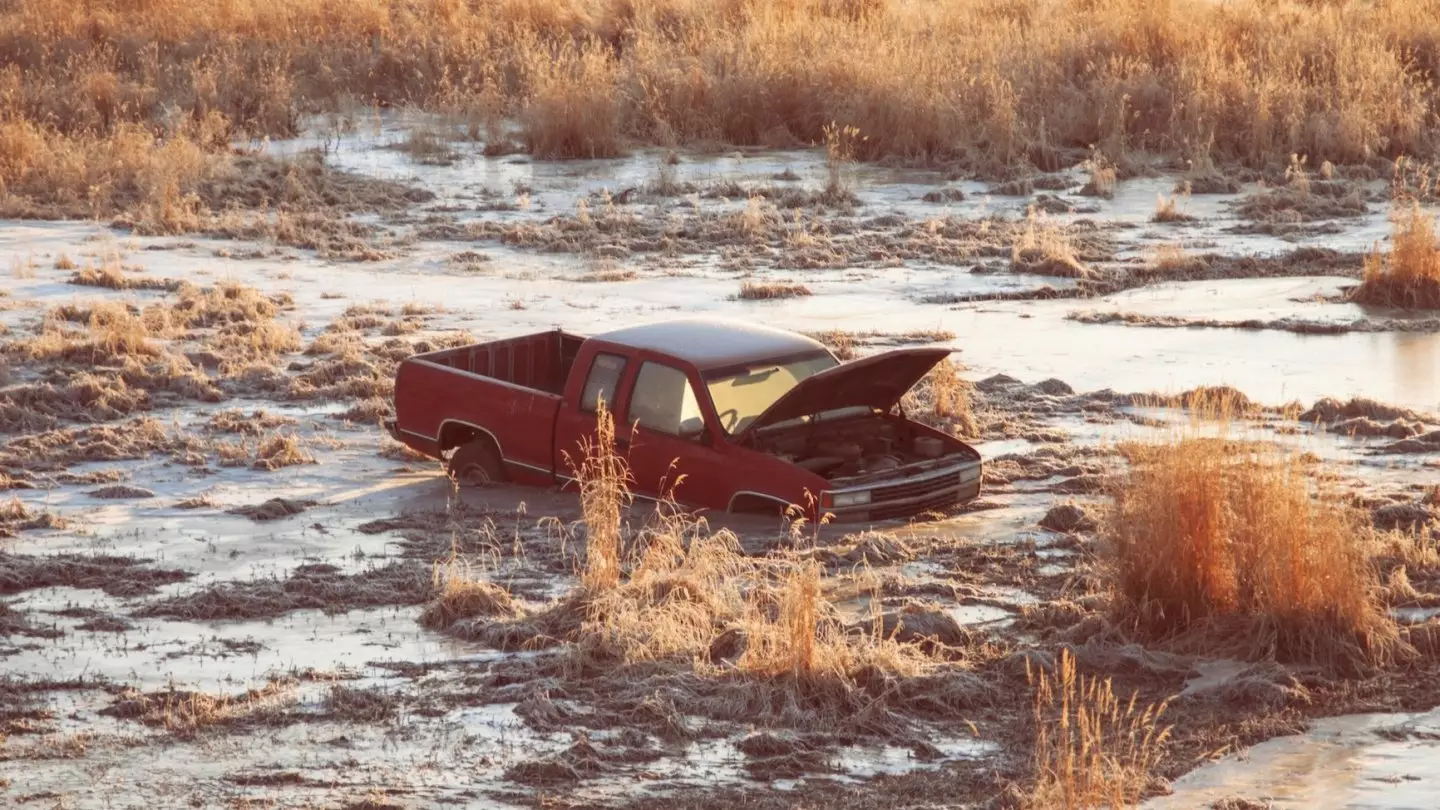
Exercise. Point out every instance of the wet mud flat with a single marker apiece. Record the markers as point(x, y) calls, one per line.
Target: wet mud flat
point(222, 585)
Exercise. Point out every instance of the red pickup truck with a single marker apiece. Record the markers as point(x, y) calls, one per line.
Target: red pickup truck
point(756, 419)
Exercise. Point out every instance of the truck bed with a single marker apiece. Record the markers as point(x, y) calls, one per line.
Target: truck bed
point(506, 390)
point(541, 361)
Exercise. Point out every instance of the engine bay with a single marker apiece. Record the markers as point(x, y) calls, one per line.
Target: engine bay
point(859, 448)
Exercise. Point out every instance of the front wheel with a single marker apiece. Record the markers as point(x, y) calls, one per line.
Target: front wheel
point(476, 465)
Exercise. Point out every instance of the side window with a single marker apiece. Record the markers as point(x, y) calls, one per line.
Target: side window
point(604, 379)
point(663, 401)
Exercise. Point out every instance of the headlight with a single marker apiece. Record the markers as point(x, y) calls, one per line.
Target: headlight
point(970, 474)
point(846, 499)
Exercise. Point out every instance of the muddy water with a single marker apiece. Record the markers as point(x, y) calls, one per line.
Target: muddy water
point(1377, 762)
point(1346, 762)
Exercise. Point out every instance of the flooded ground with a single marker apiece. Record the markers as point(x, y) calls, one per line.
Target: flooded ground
point(193, 640)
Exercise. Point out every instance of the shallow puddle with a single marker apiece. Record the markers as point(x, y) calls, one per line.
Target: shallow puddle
point(1374, 762)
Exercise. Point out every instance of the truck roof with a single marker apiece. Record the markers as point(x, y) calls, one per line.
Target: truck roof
point(714, 343)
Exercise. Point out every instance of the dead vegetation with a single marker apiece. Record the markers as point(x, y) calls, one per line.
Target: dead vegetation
point(309, 586)
point(846, 345)
point(1301, 200)
point(117, 576)
point(1222, 545)
point(205, 344)
point(464, 595)
point(121, 441)
point(674, 602)
point(185, 714)
point(1408, 276)
point(1093, 749)
point(111, 275)
point(1044, 248)
point(582, 78)
point(281, 450)
point(942, 399)
point(771, 290)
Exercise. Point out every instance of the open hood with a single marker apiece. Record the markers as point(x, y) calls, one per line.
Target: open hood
point(878, 381)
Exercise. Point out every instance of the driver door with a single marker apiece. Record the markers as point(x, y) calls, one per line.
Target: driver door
point(672, 449)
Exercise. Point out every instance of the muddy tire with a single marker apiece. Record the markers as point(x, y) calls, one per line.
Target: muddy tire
point(476, 464)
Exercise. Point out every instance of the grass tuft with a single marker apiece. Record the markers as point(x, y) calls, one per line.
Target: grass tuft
point(1092, 749)
point(1409, 276)
point(1231, 543)
point(771, 291)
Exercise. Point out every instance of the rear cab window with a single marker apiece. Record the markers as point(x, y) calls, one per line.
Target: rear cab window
point(664, 401)
point(602, 382)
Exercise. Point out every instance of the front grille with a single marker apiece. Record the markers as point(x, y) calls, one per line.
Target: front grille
point(916, 489)
point(942, 501)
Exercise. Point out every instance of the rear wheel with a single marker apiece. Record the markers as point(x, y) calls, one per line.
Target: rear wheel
point(476, 464)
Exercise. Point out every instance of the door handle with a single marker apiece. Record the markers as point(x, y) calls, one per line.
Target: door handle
point(622, 444)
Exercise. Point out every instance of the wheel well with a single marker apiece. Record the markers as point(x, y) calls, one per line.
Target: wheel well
point(752, 504)
point(456, 434)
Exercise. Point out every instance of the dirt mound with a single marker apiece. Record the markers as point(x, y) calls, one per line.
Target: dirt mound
point(121, 492)
point(273, 509)
point(921, 625)
point(301, 183)
point(1067, 518)
point(1364, 427)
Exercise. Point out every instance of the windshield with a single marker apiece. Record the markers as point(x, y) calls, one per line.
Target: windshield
point(741, 398)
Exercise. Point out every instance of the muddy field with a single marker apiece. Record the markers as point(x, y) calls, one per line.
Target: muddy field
point(222, 585)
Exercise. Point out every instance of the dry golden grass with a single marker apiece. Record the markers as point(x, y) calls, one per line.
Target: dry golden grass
point(604, 478)
point(461, 594)
point(998, 82)
point(1044, 248)
point(771, 290)
point(1409, 276)
point(1168, 210)
point(1231, 546)
point(186, 714)
point(1092, 749)
point(943, 399)
point(281, 450)
point(677, 592)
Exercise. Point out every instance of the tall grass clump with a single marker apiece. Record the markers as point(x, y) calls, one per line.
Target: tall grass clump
point(1231, 546)
point(604, 479)
point(1092, 749)
point(1409, 276)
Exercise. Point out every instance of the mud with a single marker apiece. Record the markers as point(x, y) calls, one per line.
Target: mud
point(309, 586)
point(326, 621)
